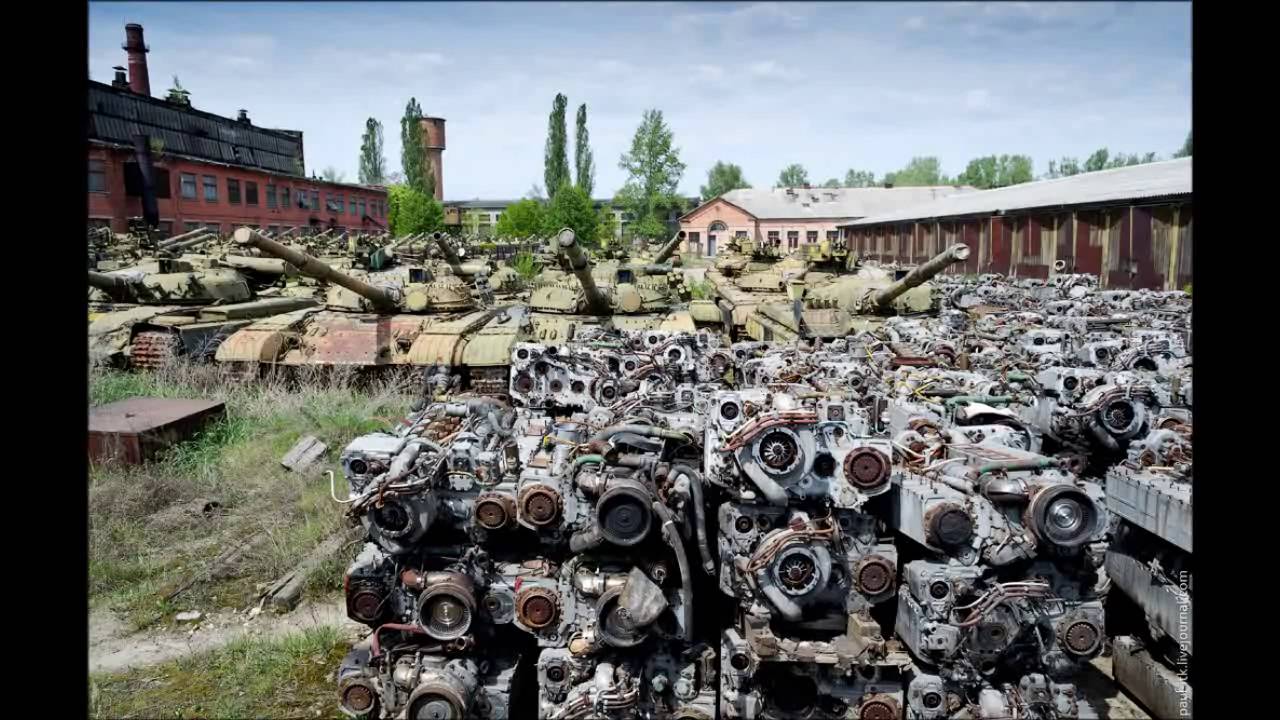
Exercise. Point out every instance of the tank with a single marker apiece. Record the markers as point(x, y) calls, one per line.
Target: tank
point(755, 273)
point(150, 315)
point(610, 293)
point(418, 319)
point(850, 303)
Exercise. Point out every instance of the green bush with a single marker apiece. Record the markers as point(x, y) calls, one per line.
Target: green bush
point(525, 218)
point(410, 211)
point(571, 208)
point(526, 265)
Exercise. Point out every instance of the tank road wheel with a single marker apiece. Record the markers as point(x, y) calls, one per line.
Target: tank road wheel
point(155, 349)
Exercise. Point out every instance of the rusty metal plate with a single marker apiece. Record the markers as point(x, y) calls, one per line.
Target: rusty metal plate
point(132, 431)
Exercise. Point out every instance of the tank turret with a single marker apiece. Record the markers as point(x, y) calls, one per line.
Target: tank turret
point(382, 298)
point(117, 287)
point(922, 273)
point(580, 266)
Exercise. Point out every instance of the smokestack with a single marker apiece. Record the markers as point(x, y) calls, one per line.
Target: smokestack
point(433, 143)
point(243, 117)
point(119, 82)
point(139, 81)
point(150, 210)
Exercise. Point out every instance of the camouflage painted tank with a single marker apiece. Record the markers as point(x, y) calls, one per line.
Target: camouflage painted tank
point(422, 319)
point(752, 273)
point(851, 303)
point(166, 308)
point(624, 296)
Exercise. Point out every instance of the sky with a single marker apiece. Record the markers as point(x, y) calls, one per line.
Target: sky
point(831, 86)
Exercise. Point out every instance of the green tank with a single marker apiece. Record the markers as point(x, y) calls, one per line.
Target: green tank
point(851, 303)
point(166, 308)
point(622, 295)
point(750, 274)
point(418, 319)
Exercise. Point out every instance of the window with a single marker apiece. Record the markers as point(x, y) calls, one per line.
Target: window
point(793, 239)
point(97, 176)
point(100, 223)
point(811, 236)
point(271, 195)
point(188, 186)
point(773, 237)
point(233, 191)
point(210, 189)
point(284, 198)
point(362, 212)
point(315, 199)
point(165, 228)
point(740, 234)
point(833, 234)
point(250, 193)
point(191, 226)
point(273, 229)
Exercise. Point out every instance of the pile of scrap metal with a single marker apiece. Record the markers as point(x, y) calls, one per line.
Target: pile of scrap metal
point(942, 516)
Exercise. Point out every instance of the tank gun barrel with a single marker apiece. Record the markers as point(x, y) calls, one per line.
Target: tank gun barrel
point(921, 274)
point(651, 268)
point(163, 244)
point(111, 284)
point(670, 248)
point(597, 301)
point(446, 250)
point(311, 267)
point(190, 243)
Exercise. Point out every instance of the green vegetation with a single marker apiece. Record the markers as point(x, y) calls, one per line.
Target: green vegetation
point(522, 219)
point(154, 528)
point(793, 176)
point(410, 211)
point(859, 178)
point(373, 164)
point(1187, 289)
point(283, 677)
point(583, 159)
point(721, 178)
point(555, 171)
point(571, 208)
point(653, 170)
point(418, 173)
point(701, 290)
point(994, 172)
point(526, 265)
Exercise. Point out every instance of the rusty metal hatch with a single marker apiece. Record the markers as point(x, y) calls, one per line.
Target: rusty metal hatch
point(132, 431)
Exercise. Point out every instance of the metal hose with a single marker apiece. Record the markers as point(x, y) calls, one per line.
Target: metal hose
point(699, 519)
point(686, 578)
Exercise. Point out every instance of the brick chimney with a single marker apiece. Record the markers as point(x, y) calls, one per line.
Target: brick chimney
point(433, 142)
point(120, 83)
point(139, 81)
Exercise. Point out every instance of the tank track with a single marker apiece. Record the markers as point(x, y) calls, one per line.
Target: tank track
point(154, 349)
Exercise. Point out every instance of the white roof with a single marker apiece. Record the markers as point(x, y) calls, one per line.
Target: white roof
point(831, 203)
point(1135, 182)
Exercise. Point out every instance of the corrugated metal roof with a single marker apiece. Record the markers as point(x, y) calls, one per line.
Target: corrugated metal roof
point(1136, 182)
point(116, 115)
point(831, 203)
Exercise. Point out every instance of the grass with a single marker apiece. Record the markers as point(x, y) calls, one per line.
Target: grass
point(147, 531)
point(701, 290)
point(290, 676)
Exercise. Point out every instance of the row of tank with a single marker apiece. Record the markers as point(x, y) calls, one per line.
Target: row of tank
point(930, 517)
point(371, 301)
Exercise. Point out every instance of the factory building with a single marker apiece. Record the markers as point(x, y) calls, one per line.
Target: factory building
point(207, 170)
point(1131, 227)
point(791, 217)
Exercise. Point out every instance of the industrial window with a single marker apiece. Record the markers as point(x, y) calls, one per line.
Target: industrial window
point(250, 193)
point(271, 195)
point(793, 239)
point(811, 236)
point(284, 198)
point(773, 237)
point(233, 191)
point(273, 229)
point(210, 188)
point(188, 186)
point(191, 226)
point(740, 234)
point(315, 199)
point(833, 234)
point(97, 176)
point(165, 228)
point(362, 208)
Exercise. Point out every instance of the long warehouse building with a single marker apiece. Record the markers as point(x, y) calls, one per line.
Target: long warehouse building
point(1129, 226)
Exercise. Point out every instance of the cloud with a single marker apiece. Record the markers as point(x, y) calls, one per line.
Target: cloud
point(769, 70)
point(708, 73)
point(977, 99)
point(613, 67)
point(915, 22)
point(756, 18)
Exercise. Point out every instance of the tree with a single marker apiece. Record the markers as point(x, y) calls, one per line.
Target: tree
point(994, 171)
point(332, 174)
point(583, 159)
point(555, 171)
point(832, 183)
point(536, 193)
point(653, 170)
point(921, 171)
point(178, 94)
point(1097, 161)
point(859, 178)
point(413, 154)
point(1185, 151)
point(571, 208)
point(1065, 167)
point(721, 178)
point(793, 175)
point(522, 219)
point(373, 164)
point(411, 211)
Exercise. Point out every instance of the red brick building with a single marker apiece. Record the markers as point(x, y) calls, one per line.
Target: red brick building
point(208, 170)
